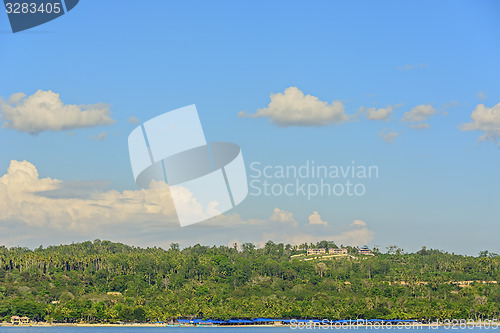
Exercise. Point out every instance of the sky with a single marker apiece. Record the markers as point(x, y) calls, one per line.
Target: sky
point(409, 88)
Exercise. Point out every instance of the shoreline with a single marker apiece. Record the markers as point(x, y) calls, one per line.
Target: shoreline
point(296, 325)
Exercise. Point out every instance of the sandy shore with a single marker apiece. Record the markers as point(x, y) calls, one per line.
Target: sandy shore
point(125, 325)
point(303, 325)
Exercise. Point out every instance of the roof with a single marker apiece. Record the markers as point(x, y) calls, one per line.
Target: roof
point(196, 321)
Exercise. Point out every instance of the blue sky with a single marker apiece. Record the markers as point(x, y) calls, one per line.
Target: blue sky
point(438, 186)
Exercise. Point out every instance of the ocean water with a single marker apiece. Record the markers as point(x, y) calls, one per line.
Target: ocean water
point(236, 329)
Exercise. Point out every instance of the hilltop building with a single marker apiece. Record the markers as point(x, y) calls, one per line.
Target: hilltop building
point(324, 251)
point(316, 251)
point(365, 250)
point(342, 251)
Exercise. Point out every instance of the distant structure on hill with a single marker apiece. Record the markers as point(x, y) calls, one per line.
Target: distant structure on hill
point(365, 250)
point(323, 251)
point(316, 251)
point(16, 320)
point(338, 251)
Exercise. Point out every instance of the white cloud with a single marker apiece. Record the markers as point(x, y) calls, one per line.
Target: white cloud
point(485, 119)
point(99, 137)
point(482, 95)
point(376, 114)
point(355, 237)
point(44, 111)
point(388, 137)
point(360, 235)
point(27, 198)
point(133, 120)
point(410, 67)
point(80, 207)
point(16, 97)
point(419, 126)
point(419, 113)
point(35, 210)
point(315, 219)
point(283, 216)
point(191, 208)
point(293, 108)
point(287, 230)
point(358, 223)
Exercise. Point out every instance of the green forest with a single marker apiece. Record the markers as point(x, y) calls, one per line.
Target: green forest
point(102, 281)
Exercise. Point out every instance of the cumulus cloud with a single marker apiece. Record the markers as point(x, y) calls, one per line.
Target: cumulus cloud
point(79, 206)
point(99, 137)
point(133, 120)
point(283, 216)
point(376, 114)
point(419, 113)
point(282, 227)
point(38, 210)
point(278, 217)
point(355, 237)
point(388, 137)
point(190, 206)
point(419, 126)
point(16, 97)
point(75, 189)
point(358, 235)
point(358, 223)
point(315, 219)
point(293, 108)
point(354, 234)
point(45, 111)
point(43, 202)
point(486, 120)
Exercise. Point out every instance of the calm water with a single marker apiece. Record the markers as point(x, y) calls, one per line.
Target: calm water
point(224, 329)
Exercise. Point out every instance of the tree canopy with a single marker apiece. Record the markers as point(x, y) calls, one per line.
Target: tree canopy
point(101, 281)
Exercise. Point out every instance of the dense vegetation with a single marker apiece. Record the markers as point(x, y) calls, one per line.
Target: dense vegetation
point(70, 283)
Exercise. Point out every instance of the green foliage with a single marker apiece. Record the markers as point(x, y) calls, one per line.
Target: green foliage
point(102, 281)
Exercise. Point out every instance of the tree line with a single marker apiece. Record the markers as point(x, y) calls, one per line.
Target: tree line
point(102, 281)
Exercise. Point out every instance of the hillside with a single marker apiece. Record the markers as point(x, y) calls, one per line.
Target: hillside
point(102, 281)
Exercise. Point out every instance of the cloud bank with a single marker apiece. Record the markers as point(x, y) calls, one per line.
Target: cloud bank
point(22, 199)
point(35, 210)
point(45, 111)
